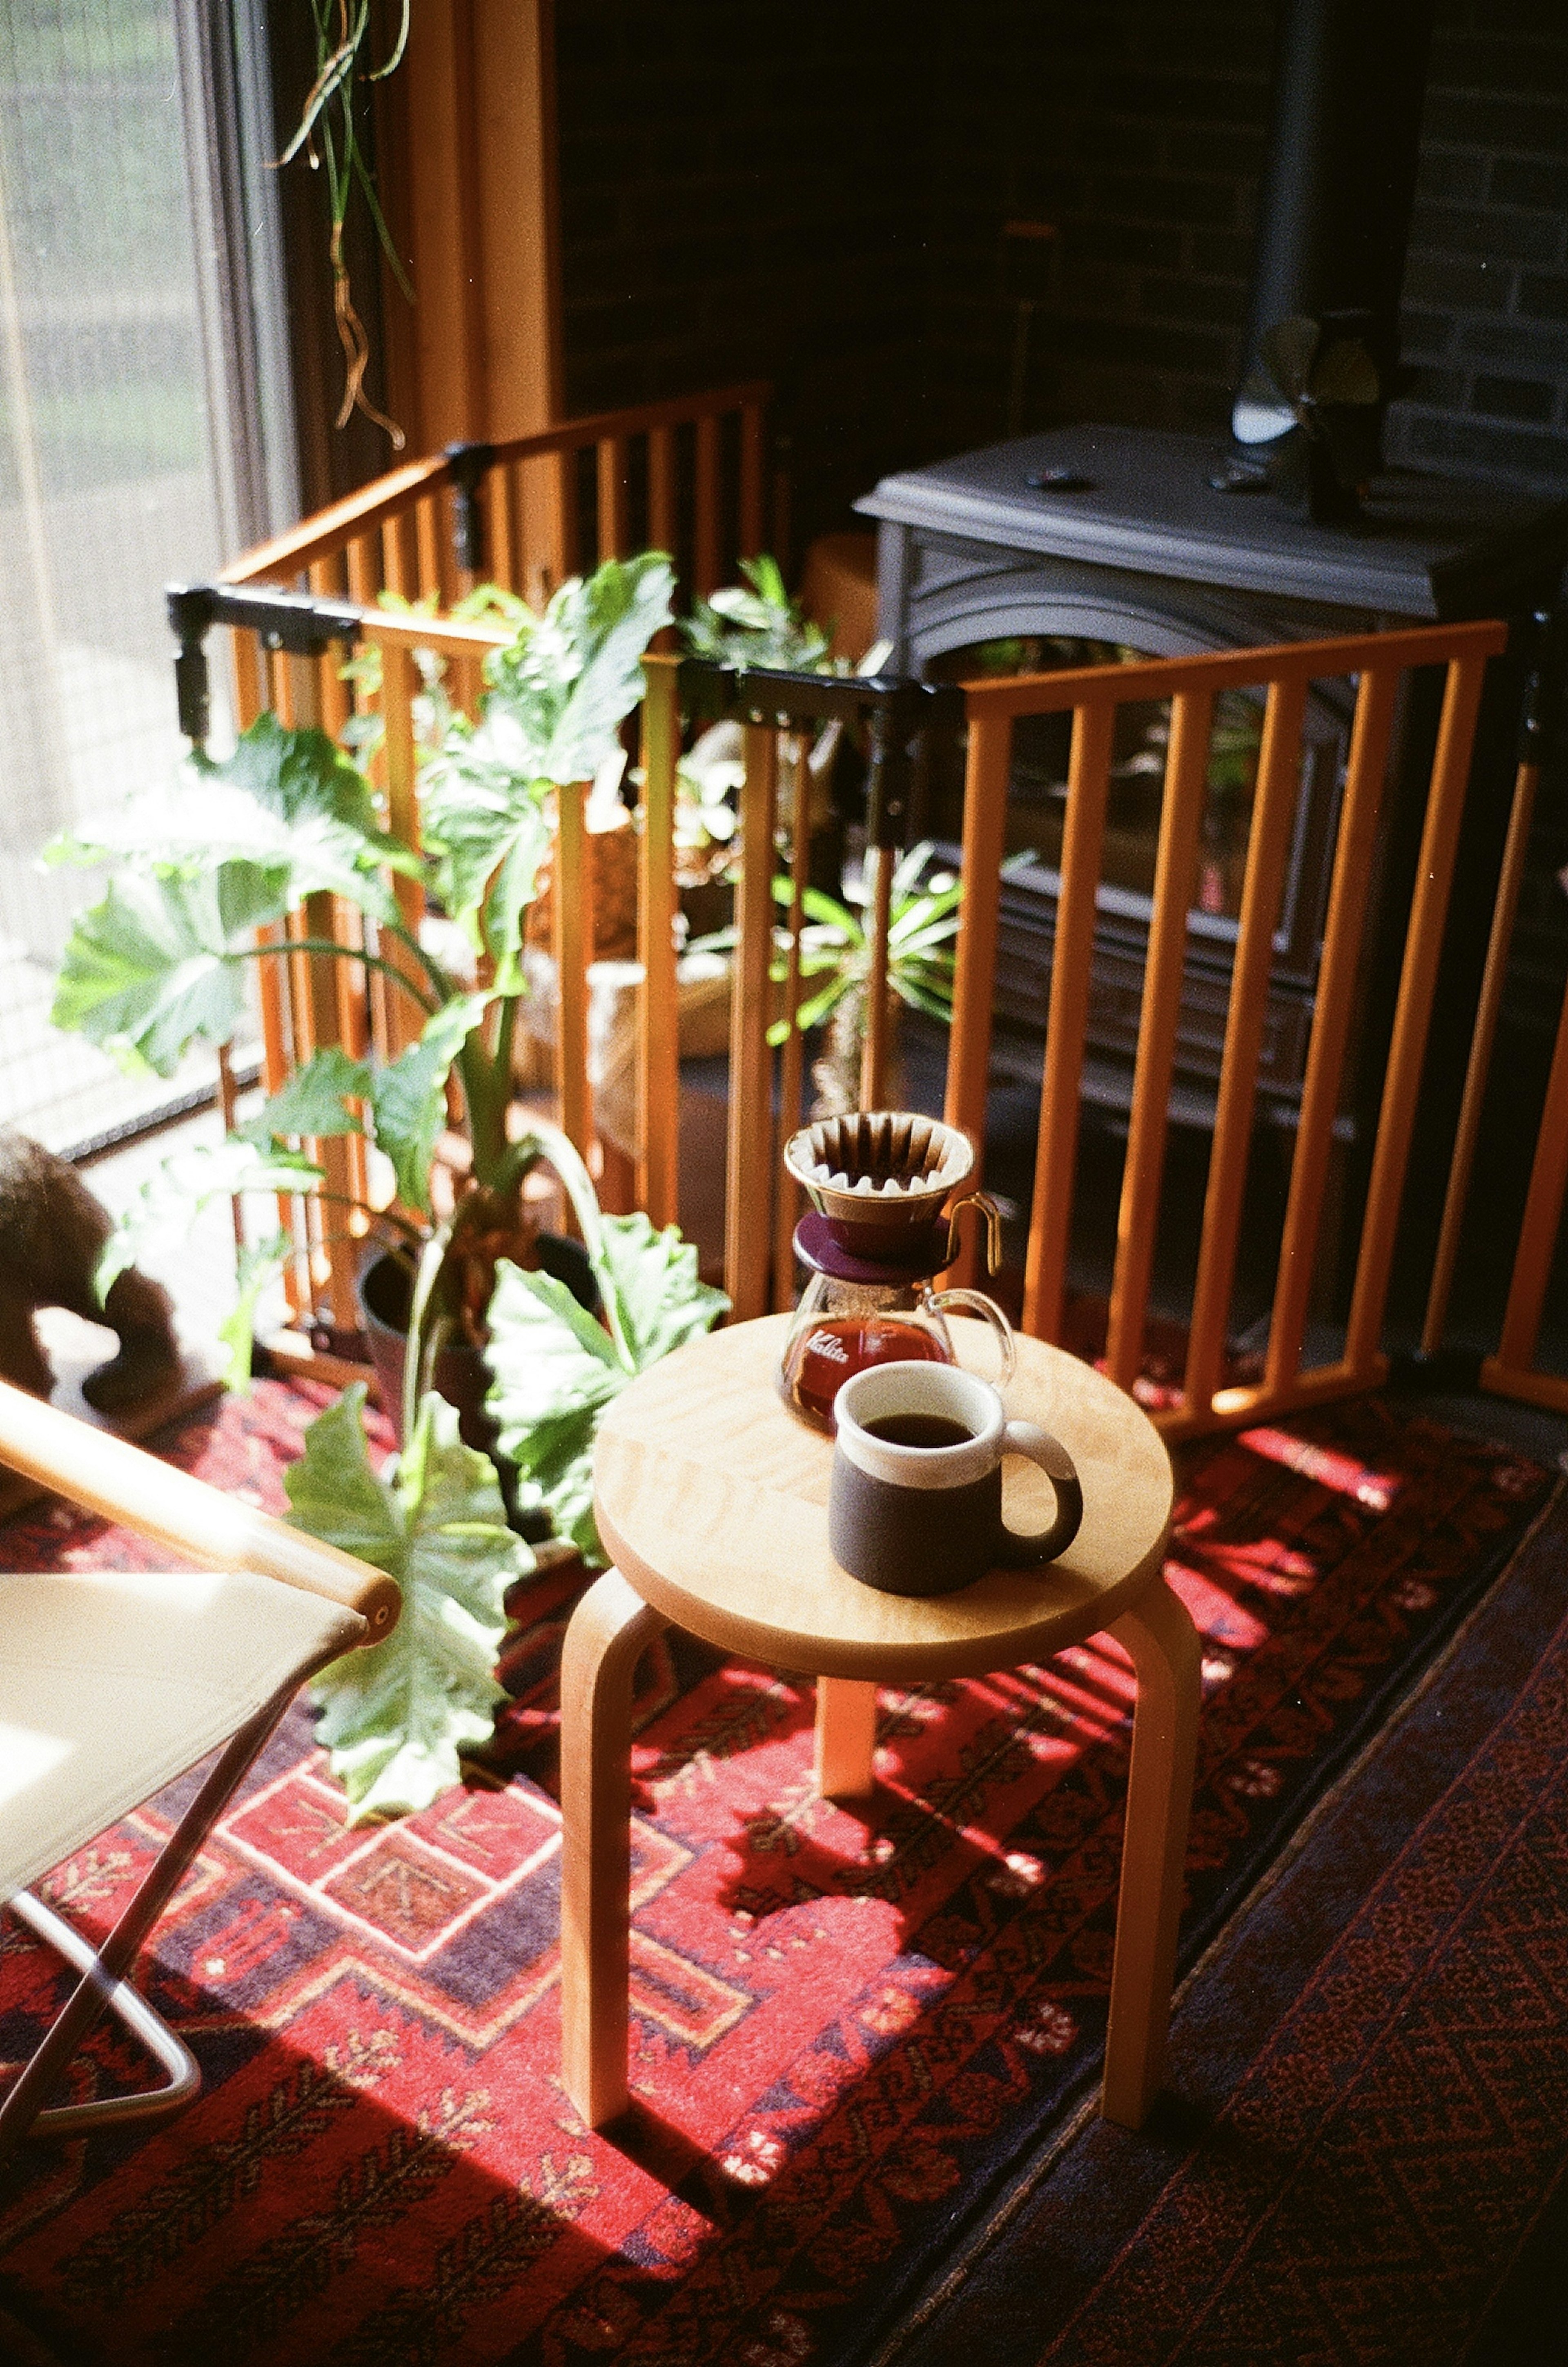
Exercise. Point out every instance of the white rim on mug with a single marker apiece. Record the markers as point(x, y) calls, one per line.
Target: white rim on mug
point(884, 1390)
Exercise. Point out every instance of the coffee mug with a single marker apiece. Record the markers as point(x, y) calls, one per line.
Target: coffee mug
point(915, 1505)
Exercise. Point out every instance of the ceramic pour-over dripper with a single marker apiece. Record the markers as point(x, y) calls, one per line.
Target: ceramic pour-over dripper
point(880, 1178)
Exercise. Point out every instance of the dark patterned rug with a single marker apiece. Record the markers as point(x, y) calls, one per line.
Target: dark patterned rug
point(1363, 2154)
point(849, 2033)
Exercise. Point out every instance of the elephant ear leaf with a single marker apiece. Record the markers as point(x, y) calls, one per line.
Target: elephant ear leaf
point(660, 1299)
point(160, 1216)
point(397, 1717)
point(407, 1096)
point(156, 966)
point(607, 623)
point(313, 1100)
point(285, 800)
point(312, 787)
point(556, 1369)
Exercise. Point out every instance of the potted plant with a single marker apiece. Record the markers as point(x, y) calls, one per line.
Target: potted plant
point(836, 961)
point(160, 963)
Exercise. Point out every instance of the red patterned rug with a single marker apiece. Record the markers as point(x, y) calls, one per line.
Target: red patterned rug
point(849, 2033)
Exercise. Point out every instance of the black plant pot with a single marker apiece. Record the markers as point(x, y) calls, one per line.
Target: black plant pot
point(461, 1376)
point(384, 1289)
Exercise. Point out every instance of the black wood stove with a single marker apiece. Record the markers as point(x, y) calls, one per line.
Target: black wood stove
point(1085, 544)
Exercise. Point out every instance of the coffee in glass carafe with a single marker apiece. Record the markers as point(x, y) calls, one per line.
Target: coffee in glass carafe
point(873, 1242)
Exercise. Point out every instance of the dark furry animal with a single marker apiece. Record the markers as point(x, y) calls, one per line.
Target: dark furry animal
point(52, 1231)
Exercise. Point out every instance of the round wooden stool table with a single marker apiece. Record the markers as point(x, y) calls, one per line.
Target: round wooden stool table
point(712, 1500)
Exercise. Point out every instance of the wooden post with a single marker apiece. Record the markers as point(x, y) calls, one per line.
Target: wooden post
point(1413, 1013)
point(879, 863)
point(1176, 867)
point(748, 1230)
point(1088, 783)
point(1268, 850)
point(974, 969)
point(321, 988)
point(1478, 1067)
point(658, 1021)
point(399, 684)
point(706, 539)
point(1364, 780)
point(573, 934)
point(612, 528)
point(786, 1203)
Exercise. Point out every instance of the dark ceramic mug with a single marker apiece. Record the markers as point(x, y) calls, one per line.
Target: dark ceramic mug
point(915, 1505)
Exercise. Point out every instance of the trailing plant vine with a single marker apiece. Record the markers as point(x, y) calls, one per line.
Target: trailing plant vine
point(329, 136)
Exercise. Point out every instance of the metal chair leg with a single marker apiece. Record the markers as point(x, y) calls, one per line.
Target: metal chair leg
point(103, 1986)
point(120, 1999)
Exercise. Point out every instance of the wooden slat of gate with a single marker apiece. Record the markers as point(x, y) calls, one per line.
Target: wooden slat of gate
point(1176, 871)
point(753, 451)
point(399, 686)
point(659, 1036)
point(786, 1205)
point(747, 1233)
point(1370, 739)
point(1413, 1013)
point(1510, 1370)
point(1268, 851)
point(566, 516)
point(975, 960)
point(332, 708)
point(428, 544)
point(399, 565)
point(364, 572)
point(878, 875)
point(500, 530)
point(662, 489)
point(272, 985)
point(1088, 783)
point(706, 535)
point(614, 531)
point(323, 979)
point(573, 934)
point(1478, 1067)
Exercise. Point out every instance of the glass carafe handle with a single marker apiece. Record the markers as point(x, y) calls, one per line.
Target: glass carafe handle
point(975, 1302)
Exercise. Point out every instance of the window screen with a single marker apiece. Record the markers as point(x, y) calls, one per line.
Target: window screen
point(116, 475)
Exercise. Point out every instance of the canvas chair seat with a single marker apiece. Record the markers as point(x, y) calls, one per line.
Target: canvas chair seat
point(112, 1682)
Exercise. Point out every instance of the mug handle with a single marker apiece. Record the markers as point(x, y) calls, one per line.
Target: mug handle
point(976, 1302)
point(1025, 1552)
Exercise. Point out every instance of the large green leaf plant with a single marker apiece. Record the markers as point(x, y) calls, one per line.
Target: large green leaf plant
point(159, 965)
point(235, 847)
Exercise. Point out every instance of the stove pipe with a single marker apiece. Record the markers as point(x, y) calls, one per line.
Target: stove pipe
point(1349, 77)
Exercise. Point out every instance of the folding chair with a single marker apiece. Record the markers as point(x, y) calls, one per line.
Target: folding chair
point(114, 1682)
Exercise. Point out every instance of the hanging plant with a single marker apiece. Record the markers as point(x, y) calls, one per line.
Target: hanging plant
point(330, 138)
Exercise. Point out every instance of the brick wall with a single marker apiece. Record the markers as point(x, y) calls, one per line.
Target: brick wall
point(1486, 281)
point(736, 200)
point(817, 199)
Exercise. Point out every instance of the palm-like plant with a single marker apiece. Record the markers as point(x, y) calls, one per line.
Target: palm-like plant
point(835, 960)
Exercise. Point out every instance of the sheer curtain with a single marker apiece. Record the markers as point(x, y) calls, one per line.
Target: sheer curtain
point(144, 434)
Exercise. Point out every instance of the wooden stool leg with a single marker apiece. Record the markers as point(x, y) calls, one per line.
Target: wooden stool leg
point(609, 1629)
point(846, 1735)
point(1167, 1657)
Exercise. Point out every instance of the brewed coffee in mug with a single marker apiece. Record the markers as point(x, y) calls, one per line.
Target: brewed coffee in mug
point(915, 1503)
